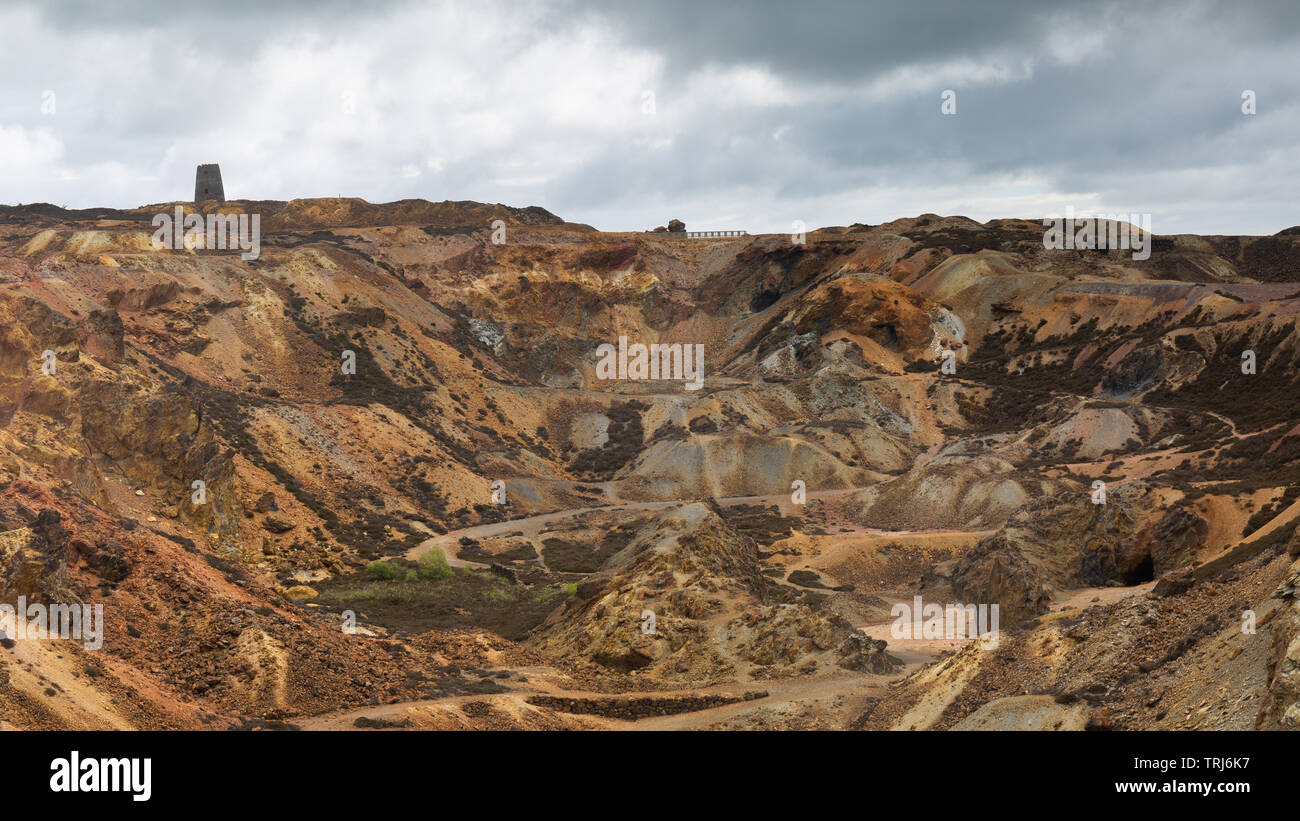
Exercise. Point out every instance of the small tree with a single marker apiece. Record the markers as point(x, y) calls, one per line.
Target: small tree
point(433, 565)
point(382, 571)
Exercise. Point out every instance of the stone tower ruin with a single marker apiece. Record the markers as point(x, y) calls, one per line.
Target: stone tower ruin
point(207, 184)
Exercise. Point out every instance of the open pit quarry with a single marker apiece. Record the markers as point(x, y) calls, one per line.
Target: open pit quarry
point(376, 478)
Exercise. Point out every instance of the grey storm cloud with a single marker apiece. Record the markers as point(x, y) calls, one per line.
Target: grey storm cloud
point(624, 114)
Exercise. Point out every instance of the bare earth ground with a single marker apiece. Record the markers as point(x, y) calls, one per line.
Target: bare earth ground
point(932, 407)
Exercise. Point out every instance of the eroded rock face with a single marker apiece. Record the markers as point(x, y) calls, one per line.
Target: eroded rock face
point(33, 561)
point(891, 316)
point(106, 558)
point(146, 433)
point(1149, 367)
point(1173, 540)
point(998, 572)
point(1066, 540)
point(1283, 708)
point(220, 509)
point(713, 611)
point(956, 491)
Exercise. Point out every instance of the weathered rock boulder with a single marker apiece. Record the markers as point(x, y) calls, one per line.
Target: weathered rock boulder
point(34, 561)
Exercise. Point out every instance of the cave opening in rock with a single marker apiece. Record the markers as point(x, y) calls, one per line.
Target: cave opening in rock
point(886, 334)
point(1143, 572)
point(763, 299)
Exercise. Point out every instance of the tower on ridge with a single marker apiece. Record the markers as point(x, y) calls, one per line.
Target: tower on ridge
point(207, 184)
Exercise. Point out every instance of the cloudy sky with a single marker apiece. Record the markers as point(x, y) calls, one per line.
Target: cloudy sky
point(625, 114)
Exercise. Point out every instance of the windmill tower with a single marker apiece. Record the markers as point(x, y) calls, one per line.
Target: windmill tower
point(207, 184)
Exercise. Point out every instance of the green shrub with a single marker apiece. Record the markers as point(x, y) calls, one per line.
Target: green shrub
point(382, 571)
point(433, 565)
